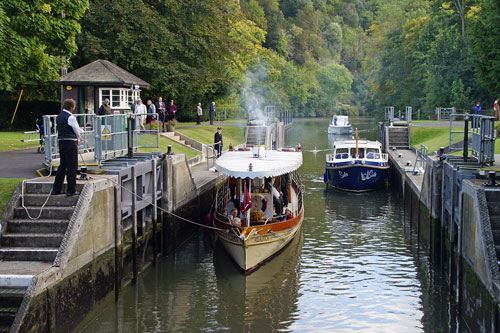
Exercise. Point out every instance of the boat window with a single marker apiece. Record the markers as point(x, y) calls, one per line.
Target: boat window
point(341, 153)
point(372, 153)
point(361, 152)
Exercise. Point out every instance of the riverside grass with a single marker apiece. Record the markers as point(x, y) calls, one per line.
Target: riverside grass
point(150, 140)
point(7, 187)
point(436, 137)
point(205, 134)
point(12, 141)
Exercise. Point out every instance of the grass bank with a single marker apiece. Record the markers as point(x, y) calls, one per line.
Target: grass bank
point(7, 187)
point(12, 141)
point(435, 137)
point(150, 140)
point(205, 134)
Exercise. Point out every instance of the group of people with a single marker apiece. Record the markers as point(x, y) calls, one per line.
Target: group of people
point(199, 113)
point(145, 112)
point(278, 187)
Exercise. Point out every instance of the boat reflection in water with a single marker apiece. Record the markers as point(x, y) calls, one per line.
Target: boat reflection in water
point(267, 299)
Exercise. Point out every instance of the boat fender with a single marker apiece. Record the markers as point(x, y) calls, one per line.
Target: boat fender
point(325, 177)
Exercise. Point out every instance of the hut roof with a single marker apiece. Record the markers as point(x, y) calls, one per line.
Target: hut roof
point(102, 73)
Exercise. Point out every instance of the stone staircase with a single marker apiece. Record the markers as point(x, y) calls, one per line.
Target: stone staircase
point(37, 240)
point(399, 136)
point(175, 137)
point(256, 135)
point(10, 300)
point(493, 201)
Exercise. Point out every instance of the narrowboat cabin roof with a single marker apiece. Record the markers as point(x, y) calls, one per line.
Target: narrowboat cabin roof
point(267, 163)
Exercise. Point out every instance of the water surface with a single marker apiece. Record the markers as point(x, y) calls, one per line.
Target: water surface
point(354, 268)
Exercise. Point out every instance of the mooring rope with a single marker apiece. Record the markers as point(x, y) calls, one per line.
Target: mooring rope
point(26, 209)
point(170, 213)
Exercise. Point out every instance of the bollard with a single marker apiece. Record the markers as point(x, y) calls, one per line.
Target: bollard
point(491, 179)
point(169, 150)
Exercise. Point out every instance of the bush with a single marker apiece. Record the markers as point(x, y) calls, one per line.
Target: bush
point(27, 113)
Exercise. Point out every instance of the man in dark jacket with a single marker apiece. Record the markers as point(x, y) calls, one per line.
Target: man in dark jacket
point(105, 109)
point(68, 134)
point(161, 109)
point(218, 141)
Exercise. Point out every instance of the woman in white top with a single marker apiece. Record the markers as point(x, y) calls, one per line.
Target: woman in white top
point(199, 111)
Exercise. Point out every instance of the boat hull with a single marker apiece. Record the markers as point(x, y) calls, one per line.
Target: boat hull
point(258, 244)
point(340, 130)
point(356, 177)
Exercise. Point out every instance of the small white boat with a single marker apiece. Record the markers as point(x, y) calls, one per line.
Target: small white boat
point(340, 125)
point(256, 232)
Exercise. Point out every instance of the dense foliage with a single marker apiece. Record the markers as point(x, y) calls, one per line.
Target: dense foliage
point(314, 57)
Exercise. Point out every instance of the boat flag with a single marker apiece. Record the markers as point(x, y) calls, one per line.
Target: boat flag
point(246, 202)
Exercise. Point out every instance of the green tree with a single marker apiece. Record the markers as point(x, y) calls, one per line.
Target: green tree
point(34, 36)
point(484, 41)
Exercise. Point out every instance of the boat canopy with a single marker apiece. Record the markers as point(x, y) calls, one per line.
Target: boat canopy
point(270, 163)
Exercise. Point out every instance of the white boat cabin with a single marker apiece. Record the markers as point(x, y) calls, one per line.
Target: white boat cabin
point(364, 150)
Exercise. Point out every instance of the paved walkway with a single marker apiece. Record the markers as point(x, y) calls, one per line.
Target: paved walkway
point(20, 163)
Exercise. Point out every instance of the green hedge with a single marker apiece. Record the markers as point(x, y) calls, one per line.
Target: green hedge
point(26, 115)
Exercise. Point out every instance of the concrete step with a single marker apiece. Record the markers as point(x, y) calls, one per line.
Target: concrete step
point(37, 200)
point(168, 134)
point(37, 226)
point(495, 221)
point(28, 254)
point(496, 236)
point(46, 187)
point(492, 196)
point(7, 315)
point(11, 297)
point(49, 212)
point(497, 250)
point(31, 240)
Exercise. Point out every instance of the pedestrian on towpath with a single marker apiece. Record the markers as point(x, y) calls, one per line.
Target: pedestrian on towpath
point(199, 113)
point(68, 135)
point(212, 113)
point(161, 108)
point(218, 141)
point(140, 110)
point(151, 111)
point(172, 110)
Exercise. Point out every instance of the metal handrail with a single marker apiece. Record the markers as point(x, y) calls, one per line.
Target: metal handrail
point(106, 136)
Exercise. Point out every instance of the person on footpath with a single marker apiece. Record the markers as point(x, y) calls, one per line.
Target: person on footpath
point(140, 111)
point(151, 110)
point(212, 113)
point(495, 108)
point(104, 109)
point(68, 135)
point(199, 113)
point(172, 110)
point(218, 141)
point(478, 108)
point(161, 108)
